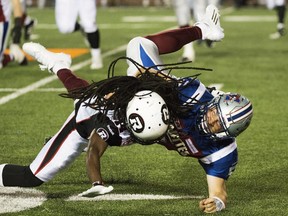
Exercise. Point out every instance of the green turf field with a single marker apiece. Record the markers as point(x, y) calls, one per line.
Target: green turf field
point(246, 61)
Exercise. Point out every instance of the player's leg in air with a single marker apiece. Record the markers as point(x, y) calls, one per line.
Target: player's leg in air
point(146, 50)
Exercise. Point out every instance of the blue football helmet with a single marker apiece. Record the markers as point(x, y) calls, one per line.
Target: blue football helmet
point(234, 111)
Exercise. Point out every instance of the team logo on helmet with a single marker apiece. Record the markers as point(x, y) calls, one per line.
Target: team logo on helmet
point(136, 122)
point(165, 114)
point(103, 134)
point(232, 97)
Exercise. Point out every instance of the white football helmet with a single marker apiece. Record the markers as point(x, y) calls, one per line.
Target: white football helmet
point(147, 116)
point(234, 111)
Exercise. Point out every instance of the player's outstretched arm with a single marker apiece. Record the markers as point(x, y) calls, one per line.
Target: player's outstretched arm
point(217, 195)
point(96, 148)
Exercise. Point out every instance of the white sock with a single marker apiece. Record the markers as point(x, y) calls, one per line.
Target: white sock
point(204, 29)
point(280, 26)
point(96, 53)
point(27, 20)
point(1, 171)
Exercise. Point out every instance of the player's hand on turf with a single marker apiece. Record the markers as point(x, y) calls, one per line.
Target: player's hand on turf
point(96, 190)
point(207, 205)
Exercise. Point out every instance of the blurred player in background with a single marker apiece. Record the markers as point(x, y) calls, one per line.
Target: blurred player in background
point(67, 12)
point(148, 106)
point(21, 22)
point(183, 10)
point(5, 13)
point(280, 7)
point(16, 54)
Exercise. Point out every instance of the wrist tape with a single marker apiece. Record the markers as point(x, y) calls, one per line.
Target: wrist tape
point(220, 205)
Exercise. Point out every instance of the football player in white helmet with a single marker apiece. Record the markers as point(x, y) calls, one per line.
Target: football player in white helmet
point(148, 106)
point(147, 116)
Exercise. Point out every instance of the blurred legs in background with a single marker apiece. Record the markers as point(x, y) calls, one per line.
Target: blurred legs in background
point(280, 7)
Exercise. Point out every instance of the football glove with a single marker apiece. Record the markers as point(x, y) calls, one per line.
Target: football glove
point(96, 190)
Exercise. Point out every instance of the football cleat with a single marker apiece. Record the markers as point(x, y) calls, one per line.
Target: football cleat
point(48, 60)
point(18, 54)
point(96, 62)
point(280, 33)
point(96, 190)
point(210, 25)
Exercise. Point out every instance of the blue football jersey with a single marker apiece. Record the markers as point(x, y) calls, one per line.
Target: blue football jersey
point(217, 157)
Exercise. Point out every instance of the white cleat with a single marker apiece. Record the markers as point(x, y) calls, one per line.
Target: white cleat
point(210, 25)
point(96, 190)
point(48, 60)
point(18, 54)
point(96, 62)
point(280, 33)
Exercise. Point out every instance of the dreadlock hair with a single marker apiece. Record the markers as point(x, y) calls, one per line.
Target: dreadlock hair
point(115, 92)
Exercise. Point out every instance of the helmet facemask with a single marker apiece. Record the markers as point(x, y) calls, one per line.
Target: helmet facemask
point(233, 113)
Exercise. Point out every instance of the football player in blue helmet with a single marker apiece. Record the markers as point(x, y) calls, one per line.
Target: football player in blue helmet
point(148, 106)
point(227, 115)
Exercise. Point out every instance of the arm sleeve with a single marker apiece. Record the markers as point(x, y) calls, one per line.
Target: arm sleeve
point(70, 81)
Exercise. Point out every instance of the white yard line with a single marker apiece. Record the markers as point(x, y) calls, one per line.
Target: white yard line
point(123, 197)
point(26, 89)
point(46, 80)
point(218, 86)
point(16, 199)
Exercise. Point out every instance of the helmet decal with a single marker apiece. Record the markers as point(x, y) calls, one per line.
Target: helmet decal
point(136, 122)
point(165, 114)
point(232, 97)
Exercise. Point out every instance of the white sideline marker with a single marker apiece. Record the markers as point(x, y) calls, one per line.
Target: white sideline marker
point(15, 199)
point(127, 197)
